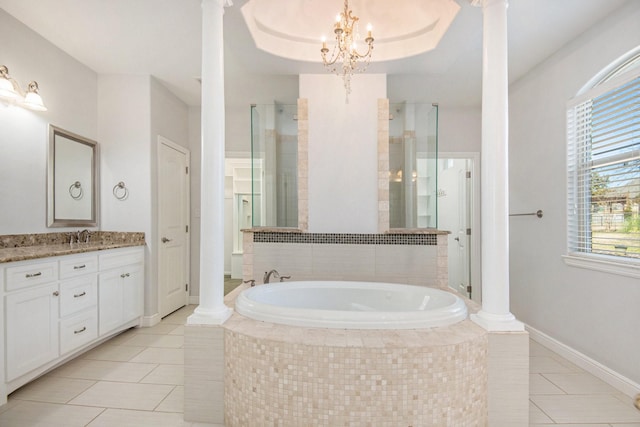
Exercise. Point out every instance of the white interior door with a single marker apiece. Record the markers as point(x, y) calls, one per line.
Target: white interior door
point(463, 238)
point(454, 215)
point(173, 226)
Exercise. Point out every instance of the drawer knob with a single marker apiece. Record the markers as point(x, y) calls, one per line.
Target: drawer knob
point(28, 276)
point(79, 267)
point(56, 293)
point(81, 330)
point(83, 293)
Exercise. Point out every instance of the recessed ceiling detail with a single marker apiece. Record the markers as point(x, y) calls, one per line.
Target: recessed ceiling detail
point(293, 28)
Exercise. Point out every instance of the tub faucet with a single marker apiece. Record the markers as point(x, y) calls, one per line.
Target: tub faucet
point(268, 275)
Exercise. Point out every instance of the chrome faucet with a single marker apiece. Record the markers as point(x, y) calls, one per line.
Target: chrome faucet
point(268, 275)
point(87, 236)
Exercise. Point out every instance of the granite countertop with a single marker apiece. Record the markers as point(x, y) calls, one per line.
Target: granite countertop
point(21, 247)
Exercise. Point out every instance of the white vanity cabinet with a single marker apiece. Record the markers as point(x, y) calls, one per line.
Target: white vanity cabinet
point(57, 307)
point(121, 287)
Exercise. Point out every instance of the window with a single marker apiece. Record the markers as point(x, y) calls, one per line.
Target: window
point(603, 161)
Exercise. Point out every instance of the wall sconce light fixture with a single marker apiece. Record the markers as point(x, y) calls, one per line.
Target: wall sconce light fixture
point(11, 91)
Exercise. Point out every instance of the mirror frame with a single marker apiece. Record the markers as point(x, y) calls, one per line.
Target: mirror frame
point(52, 221)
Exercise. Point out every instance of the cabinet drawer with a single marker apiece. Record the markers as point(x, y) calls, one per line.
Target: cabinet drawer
point(28, 274)
point(78, 330)
point(119, 258)
point(78, 265)
point(78, 294)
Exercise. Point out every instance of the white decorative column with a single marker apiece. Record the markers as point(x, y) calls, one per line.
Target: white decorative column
point(508, 358)
point(495, 314)
point(204, 333)
point(212, 309)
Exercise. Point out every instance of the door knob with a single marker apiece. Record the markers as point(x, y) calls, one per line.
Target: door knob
point(165, 240)
point(457, 239)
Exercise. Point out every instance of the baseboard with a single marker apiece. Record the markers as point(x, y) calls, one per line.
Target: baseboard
point(194, 299)
point(614, 379)
point(148, 321)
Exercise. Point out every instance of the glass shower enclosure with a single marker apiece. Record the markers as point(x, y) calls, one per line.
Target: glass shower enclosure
point(413, 156)
point(274, 158)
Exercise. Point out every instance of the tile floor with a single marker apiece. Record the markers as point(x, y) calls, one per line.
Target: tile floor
point(560, 393)
point(136, 379)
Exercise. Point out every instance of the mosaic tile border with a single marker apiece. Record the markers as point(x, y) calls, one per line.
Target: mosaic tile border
point(346, 238)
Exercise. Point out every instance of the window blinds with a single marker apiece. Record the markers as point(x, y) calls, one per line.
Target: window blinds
point(603, 165)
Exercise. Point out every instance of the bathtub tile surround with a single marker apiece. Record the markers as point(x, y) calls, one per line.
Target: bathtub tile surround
point(286, 375)
point(417, 257)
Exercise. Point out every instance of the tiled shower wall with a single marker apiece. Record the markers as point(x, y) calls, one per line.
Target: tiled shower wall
point(418, 259)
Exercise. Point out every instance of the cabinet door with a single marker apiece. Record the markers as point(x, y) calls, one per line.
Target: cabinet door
point(110, 300)
point(133, 292)
point(32, 329)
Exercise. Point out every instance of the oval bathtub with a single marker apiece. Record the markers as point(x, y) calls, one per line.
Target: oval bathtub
point(351, 305)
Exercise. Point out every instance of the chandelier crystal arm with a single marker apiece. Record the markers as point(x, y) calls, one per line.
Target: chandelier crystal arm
point(345, 50)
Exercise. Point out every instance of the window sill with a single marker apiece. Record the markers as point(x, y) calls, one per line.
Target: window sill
point(628, 269)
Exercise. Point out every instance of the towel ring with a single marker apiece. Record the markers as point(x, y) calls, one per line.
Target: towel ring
point(120, 191)
point(75, 190)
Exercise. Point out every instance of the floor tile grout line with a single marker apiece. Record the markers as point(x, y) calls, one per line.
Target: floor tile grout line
point(541, 410)
point(163, 399)
point(548, 379)
point(94, 418)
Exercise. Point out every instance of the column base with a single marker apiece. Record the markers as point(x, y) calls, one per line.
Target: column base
point(497, 322)
point(202, 316)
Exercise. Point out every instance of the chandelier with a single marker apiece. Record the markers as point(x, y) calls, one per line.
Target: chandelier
point(345, 60)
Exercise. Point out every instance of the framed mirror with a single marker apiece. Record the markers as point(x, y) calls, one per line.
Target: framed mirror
point(72, 180)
